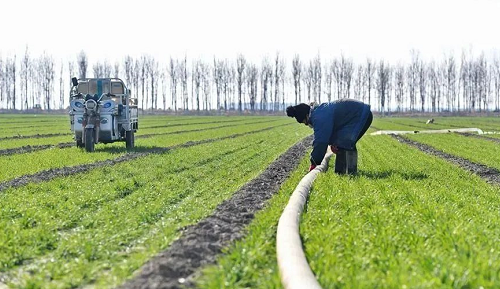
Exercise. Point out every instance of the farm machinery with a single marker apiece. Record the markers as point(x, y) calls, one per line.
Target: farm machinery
point(102, 111)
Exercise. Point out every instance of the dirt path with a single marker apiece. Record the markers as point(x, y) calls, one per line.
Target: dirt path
point(491, 175)
point(66, 171)
point(201, 243)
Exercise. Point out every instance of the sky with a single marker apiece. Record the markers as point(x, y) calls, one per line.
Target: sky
point(383, 29)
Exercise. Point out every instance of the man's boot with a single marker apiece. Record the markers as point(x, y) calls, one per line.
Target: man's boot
point(352, 162)
point(341, 162)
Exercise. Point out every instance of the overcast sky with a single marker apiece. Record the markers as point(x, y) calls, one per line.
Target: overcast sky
point(385, 29)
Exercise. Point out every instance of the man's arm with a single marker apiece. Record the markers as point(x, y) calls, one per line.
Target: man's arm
point(318, 153)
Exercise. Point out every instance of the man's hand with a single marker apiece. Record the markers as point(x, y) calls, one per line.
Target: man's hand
point(334, 149)
point(312, 167)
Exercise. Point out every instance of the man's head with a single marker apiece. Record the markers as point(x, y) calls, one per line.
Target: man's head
point(300, 112)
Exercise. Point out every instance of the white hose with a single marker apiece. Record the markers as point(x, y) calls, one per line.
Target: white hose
point(381, 132)
point(294, 269)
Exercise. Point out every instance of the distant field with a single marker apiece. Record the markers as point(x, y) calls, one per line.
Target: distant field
point(409, 219)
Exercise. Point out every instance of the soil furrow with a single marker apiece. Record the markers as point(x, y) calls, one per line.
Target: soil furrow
point(28, 148)
point(33, 136)
point(66, 171)
point(491, 175)
point(201, 243)
point(497, 140)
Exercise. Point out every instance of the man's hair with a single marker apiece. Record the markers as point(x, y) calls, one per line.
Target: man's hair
point(298, 111)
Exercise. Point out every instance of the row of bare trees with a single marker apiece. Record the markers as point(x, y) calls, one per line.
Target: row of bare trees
point(470, 83)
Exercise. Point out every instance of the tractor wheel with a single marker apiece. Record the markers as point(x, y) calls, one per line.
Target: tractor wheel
point(129, 139)
point(89, 139)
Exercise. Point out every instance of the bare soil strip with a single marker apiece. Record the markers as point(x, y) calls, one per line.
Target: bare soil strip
point(201, 243)
point(491, 175)
point(497, 140)
point(28, 148)
point(66, 171)
point(33, 136)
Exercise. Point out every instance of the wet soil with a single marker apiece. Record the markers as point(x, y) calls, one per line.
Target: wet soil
point(71, 170)
point(200, 244)
point(491, 175)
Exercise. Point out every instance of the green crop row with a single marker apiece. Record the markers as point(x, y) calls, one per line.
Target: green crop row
point(408, 220)
point(29, 163)
point(163, 126)
point(476, 150)
point(97, 228)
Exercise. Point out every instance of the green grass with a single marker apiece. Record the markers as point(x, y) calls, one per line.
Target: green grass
point(70, 231)
point(30, 163)
point(409, 220)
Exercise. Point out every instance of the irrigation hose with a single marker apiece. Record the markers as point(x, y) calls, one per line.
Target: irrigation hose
point(294, 269)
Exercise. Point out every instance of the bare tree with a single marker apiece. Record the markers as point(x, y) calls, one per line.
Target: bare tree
point(450, 76)
point(174, 75)
point(369, 71)
point(61, 86)
point(82, 64)
point(359, 83)
point(422, 81)
point(143, 78)
point(265, 78)
point(252, 78)
point(383, 78)
point(116, 70)
point(47, 69)
point(346, 71)
point(107, 69)
point(2, 80)
point(152, 70)
point(412, 77)
point(98, 69)
point(206, 85)
point(317, 75)
point(197, 81)
point(399, 86)
point(25, 67)
point(183, 73)
point(328, 80)
point(495, 71)
point(10, 69)
point(279, 77)
point(218, 79)
point(240, 68)
point(297, 77)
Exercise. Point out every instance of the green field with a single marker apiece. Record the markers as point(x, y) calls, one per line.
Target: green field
point(407, 220)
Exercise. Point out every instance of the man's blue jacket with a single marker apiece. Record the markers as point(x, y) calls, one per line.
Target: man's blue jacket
point(337, 123)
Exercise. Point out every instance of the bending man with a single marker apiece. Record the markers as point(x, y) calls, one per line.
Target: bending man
point(340, 124)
